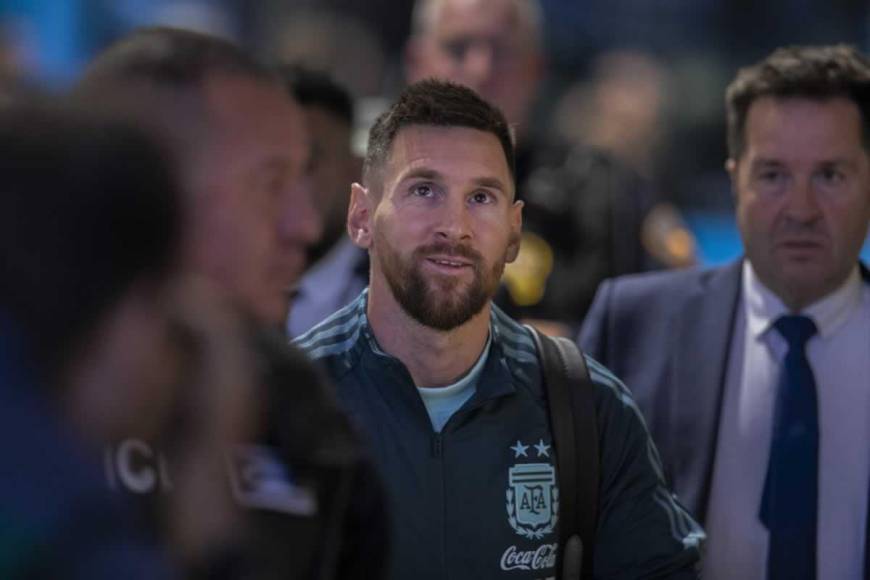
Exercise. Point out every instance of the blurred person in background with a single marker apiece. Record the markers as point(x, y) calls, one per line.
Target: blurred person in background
point(239, 141)
point(584, 209)
point(621, 109)
point(753, 376)
point(337, 269)
point(89, 233)
point(323, 38)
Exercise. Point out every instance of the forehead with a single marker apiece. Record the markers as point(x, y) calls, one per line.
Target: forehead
point(490, 18)
point(459, 153)
point(254, 116)
point(803, 127)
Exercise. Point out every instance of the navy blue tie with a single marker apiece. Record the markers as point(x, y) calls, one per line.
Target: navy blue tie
point(789, 502)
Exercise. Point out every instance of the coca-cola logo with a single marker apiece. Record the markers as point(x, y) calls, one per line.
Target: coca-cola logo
point(543, 557)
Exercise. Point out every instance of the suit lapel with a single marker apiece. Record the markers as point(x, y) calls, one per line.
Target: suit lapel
point(704, 337)
point(867, 531)
point(705, 329)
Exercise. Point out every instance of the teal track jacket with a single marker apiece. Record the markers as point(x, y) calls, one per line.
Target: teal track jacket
point(480, 499)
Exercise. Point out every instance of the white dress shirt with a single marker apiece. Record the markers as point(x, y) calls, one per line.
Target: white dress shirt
point(329, 285)
point(840, 357)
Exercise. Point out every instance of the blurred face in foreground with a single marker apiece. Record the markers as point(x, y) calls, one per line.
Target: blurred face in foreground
point(254, 217)
point(803, 194)
point(443, 224)
point(131, 346)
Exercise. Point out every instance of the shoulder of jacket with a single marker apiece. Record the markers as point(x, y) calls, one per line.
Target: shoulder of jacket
point(336, 338)
point(662, 286)
point(611, 393)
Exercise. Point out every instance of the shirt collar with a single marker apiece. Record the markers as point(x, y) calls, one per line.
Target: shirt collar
point(376, 347)
point(763, 307)
point(468, 380)
point(336, 265)
point(493, 379)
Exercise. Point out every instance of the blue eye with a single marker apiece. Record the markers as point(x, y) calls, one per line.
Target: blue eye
point(481, 197)
point(831, 176)
point(770, 176)
point(457, 48)
point(422, 190)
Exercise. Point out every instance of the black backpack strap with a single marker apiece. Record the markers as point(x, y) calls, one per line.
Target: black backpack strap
point(571, 405)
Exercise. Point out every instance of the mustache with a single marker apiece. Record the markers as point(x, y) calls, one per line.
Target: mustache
point(448, 249)
point(807, 232)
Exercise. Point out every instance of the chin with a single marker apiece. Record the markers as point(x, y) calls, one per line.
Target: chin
point(272, 313)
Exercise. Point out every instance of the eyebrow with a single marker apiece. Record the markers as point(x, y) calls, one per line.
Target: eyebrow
point(279, 164)
point(491, 182)
point(766, 161)
point(431, 174)
point(421, 173)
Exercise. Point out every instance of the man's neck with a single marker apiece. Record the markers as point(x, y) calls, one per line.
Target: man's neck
point(434, 358)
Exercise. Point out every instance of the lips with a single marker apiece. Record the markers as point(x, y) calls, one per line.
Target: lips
point(801, 244)
point(801, 250)
point(449, 262)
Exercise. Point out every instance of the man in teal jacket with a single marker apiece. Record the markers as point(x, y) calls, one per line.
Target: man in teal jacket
point(447, 388)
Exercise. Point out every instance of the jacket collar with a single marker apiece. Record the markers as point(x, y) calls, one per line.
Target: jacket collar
point(510, 354)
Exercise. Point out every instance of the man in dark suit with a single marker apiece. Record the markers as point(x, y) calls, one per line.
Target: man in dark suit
point(755, 377)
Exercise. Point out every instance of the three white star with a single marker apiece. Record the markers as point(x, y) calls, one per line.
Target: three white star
point(542, 449)
point(520, 449)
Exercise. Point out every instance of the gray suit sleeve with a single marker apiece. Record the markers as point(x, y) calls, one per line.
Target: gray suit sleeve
point(593, 334)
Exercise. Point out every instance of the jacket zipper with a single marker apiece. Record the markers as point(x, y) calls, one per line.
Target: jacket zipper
point(437, 454)
point(436, 446)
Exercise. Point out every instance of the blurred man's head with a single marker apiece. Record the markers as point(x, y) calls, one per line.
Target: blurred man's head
point(329, 118)
point(89, 224)
point(800, 165)
point(240, 143)
point(492, 46)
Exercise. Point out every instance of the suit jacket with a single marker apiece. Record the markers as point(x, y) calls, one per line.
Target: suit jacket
point(667, 335)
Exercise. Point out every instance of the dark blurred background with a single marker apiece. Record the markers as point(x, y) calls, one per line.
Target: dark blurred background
point(644, 78)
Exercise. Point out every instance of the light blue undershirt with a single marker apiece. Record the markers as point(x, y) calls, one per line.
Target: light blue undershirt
point(442, 402)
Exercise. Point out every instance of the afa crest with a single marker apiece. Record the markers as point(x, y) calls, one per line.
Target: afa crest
point(532, 499)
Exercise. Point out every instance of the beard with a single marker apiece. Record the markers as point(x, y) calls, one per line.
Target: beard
point(439, 302)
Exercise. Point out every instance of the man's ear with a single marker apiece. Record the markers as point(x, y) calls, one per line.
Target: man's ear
point(516, 231)
point(359, 216)
point(731, 168)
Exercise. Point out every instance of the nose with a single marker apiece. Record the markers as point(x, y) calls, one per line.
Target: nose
point(300, 222)
point(454, 221)
point(802, 204)
point(478, 64)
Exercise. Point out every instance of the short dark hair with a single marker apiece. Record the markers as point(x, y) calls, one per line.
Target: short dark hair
point(156, 77)
point(88, 206)
point(315, 88)
point(440, 104)
point(172, 57)
point(814, 72)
